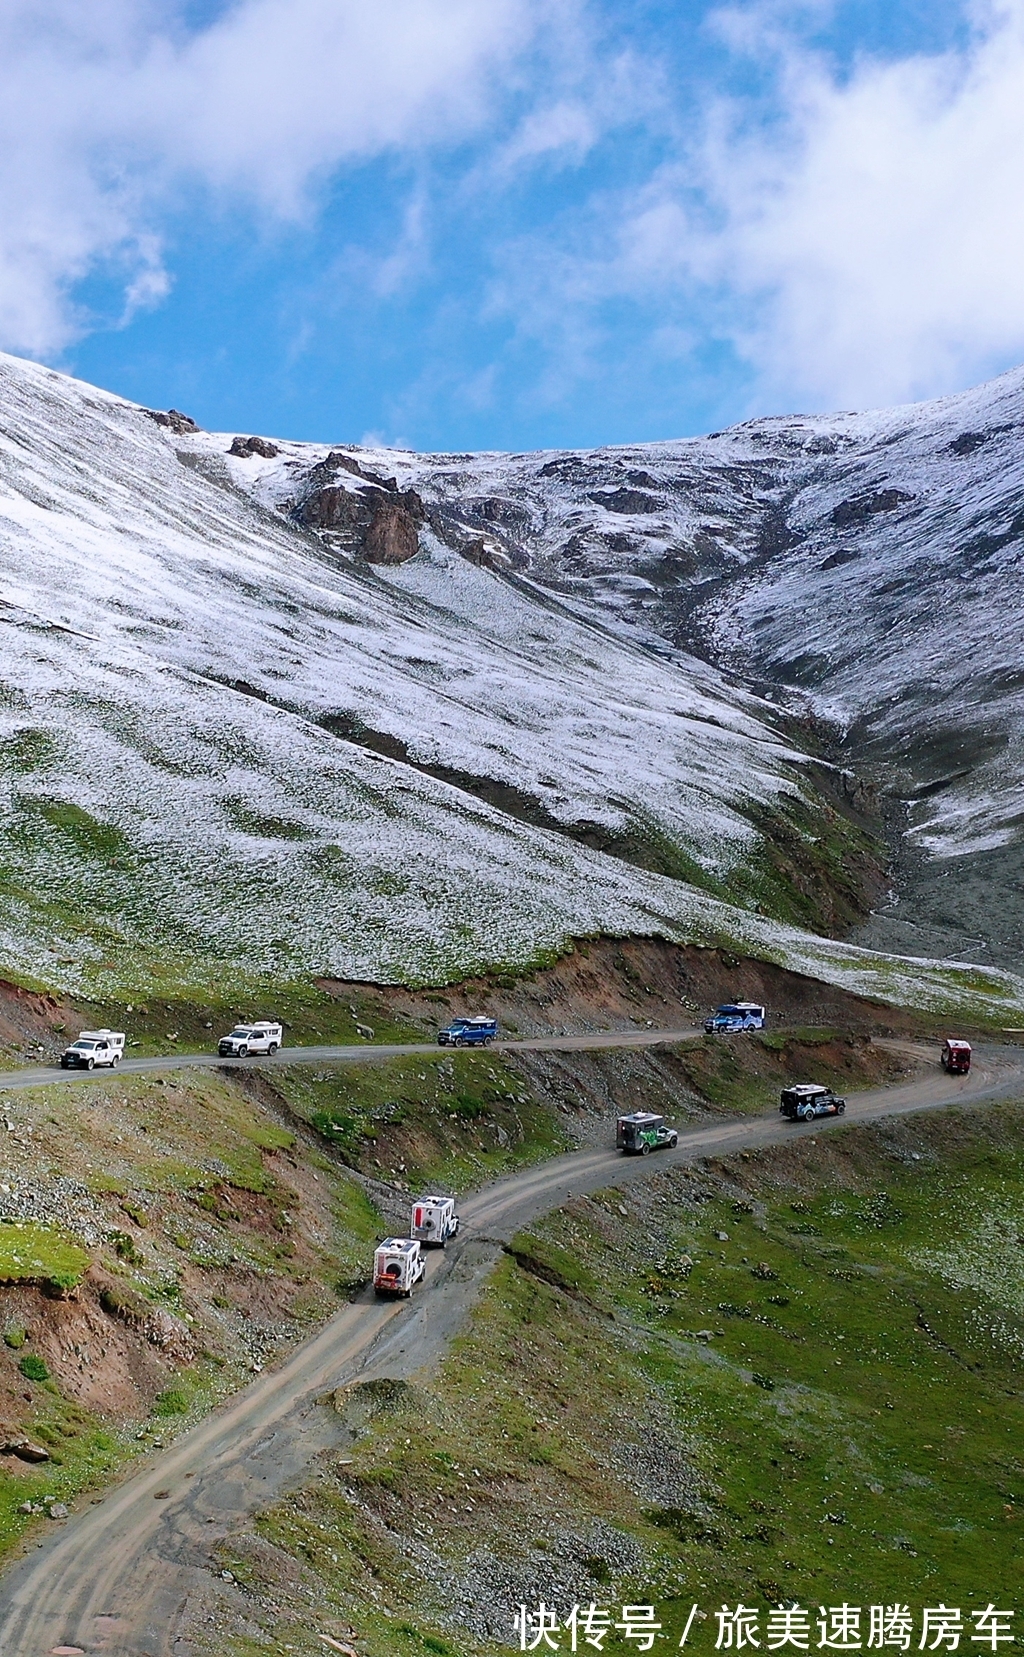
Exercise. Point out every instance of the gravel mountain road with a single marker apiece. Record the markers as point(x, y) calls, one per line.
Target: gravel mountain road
point(40, 1075)
point(129, 1575)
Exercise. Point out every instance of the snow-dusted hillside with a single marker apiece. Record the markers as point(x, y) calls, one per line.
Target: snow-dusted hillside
point(194, 696)
point(863, 566)
point(868, 563)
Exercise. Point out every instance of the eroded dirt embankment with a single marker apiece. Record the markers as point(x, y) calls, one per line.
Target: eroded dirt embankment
point(598, 984)
point(607, 982)
point(29, 1021)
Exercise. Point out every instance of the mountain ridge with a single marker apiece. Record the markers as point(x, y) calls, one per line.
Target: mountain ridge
point(177, 807)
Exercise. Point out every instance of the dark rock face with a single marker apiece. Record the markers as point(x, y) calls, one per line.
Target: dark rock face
point(245, 447)
point(967, 442)
point(348, 463)
point(627, 500)
point(845, 555)
point(508, 515)
point(485, 554)
point(174, 420)
point(379, 520)
point(393, 532)
point(861, 508)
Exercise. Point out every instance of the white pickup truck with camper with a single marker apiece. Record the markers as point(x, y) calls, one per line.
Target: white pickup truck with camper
point(398, 1266)
point(262, 1037)
point(94, 1047)
point(434, 1221)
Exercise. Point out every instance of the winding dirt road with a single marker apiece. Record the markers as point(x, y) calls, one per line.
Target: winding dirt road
point(42, 1075)
point(121, 1577)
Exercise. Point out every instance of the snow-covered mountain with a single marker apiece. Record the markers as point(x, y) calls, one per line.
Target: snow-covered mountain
point(865, 567)
point(231, 746)
point(869, 560)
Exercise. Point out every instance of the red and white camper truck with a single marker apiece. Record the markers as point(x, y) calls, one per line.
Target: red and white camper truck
point(398, 1266)
point(956, 1057)
point(433, 1221)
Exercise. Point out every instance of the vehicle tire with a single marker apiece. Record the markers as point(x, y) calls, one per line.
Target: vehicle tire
point(115, 1061)
point(673, 1142)
point(89, 1063)
point(645, 1150)
point(273, 1047)
point(488, 1040)
point(841, 1108)
point(459, 1042)
point(243, 1052)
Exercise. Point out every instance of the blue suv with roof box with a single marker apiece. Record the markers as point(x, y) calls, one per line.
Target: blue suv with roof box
point(468, 1032)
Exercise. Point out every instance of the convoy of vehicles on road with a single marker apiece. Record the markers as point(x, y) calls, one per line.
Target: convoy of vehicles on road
point(641, 1132)
point(468, 1032)
point(262, 1037)
point(93, 1047)
point(955, 1056)
point(732, 1016)
point(805, 1100)
point(399, 1262)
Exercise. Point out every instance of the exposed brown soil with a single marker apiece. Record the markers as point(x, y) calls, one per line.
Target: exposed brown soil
point(604, 983)
point(28, 1019)
point(101, 1362)
point(213, 1245)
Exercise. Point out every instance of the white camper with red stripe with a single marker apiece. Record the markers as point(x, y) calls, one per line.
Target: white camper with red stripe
point(434, 1221)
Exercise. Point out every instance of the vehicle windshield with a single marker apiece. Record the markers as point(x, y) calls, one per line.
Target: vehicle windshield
point(241, 1032)
point(86, 1046)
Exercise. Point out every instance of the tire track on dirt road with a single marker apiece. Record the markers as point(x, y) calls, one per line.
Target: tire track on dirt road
point(125, 1577)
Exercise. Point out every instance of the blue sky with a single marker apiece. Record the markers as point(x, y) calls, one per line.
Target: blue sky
point(457, 225)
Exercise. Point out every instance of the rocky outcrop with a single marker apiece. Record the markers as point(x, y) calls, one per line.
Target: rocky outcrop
point(243, 448)
point(393, 532)
point(487, 554)
point(158, 1327)
point(630, 501)
point(374, 519)
point(25, 1449)
point(348, 463)
point(860, 509)
point(174, 420)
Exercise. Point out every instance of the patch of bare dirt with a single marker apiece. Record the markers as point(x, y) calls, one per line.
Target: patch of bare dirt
point(608, 983)
point(30, 1021)
point(109, 1366)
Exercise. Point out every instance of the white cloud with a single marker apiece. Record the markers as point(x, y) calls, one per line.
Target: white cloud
point(877, 242)
point(566, 129)
point(107, 109)
point(855, 237)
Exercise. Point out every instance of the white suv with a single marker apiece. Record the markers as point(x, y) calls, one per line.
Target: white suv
point(244, 1039)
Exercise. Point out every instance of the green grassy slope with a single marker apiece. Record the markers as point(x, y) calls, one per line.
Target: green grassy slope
point(826, 1404)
